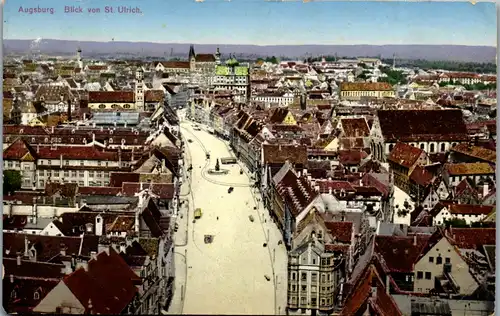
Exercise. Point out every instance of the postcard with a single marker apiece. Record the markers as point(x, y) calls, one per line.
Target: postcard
point(249, 157)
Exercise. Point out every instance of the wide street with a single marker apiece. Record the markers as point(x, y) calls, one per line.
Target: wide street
point(227, 276)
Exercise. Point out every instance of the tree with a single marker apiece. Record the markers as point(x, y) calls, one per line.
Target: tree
point(272, 60)
point(456, 222)
point(12, 181)
point(217, 166)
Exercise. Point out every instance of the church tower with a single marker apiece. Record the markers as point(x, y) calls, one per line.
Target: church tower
point(79, 58)
point(139, 89)
point(192, 58)
point(217, 57)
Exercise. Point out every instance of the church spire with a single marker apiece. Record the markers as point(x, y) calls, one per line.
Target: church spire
point(191, 52)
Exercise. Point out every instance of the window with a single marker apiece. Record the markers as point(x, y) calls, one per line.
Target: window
point(302, 300)
point(81, 162)
point(36, 296)
point(314, 289)
point(420, 275)
point(391, 146)
point(73, 174)
point(303, 288)
point(56, 173)
point(99, 163)
point(422, 146)
point(99, 174)
point(323, 277)
point(431, 259)
point(323, 302)
point(427, 275)
point(447, 260)
point(314, 260)
point(66, 174)
point(294, 287)
point(293, 275)
point(81, 183)
point(314, 277)
point(102, 106)
point(432, 148)
point(304, 276)
point(114, 106)
point(439, 260)
point(81, 174)
point(126, 106)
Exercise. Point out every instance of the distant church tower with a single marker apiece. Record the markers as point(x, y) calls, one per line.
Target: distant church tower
point(394, 61)
point(192, 58)
point(217, 57)
point(16, 113)
point(139, 89)
point(79, 58)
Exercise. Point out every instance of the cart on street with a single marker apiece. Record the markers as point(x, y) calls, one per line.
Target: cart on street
point(251, 218)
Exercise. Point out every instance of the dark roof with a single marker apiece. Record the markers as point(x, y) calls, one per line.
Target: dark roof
point(109, 283)
point(48, 246)
point(296, 154)
point(422, 125)
point(400, 253)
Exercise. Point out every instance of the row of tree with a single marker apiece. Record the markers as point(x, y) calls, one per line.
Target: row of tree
point(488, 68)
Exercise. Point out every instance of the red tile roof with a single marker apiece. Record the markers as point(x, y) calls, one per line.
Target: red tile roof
point(471, 238)
point(405, 155)
point(109, 283)
point(111, 96)
point(205, 58)
point(355, 127)
point(400, 253)
point(470, 209)
point(162, 190)
point(445, 125)
point(341, 231)
point(421, 176)
point(296, 154)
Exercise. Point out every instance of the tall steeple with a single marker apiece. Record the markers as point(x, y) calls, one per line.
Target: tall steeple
point(217, 56)
point(139, 88)
point(394, 61)
point(191, 52)
point(192, 58)
point(79, 58)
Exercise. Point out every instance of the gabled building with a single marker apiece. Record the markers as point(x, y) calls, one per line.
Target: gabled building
point(433, 131)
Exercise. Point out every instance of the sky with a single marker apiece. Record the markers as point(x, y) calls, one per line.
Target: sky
point(257, 22)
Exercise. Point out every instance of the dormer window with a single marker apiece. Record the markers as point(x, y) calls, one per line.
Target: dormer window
point(36, 296)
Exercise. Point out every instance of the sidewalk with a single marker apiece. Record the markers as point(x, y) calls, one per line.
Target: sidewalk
point(177, 304)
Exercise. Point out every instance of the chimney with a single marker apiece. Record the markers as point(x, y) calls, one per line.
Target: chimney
point(63, 249)
point(18, 258)
point(93, 124)
point(123, 246)
point(11, 278)
point(414, 240)
point(84, 116)
point(69, 110)
point(93, 255)
point(329, 190)
point(52, 129)
point(304, 172)
point(136, 223)
point(93, 137)
point(26, 244)
point(61, 161)
point(486, 189)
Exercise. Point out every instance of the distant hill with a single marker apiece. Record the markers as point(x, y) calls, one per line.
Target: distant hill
point(428, 52)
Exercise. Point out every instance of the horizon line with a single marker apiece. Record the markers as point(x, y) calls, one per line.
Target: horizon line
point(241, 44)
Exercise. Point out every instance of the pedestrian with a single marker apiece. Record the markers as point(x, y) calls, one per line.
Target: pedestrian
point(217, 217)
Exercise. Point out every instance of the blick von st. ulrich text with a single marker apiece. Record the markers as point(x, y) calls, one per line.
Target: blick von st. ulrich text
point(71, 9)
